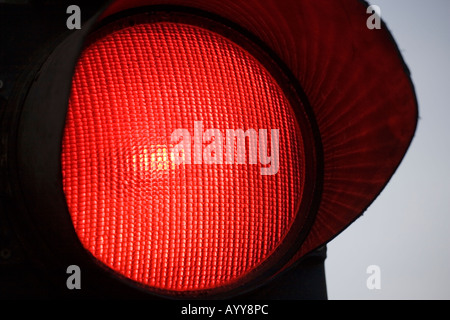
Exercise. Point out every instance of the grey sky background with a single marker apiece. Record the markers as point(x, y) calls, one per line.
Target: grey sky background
point(406, 231)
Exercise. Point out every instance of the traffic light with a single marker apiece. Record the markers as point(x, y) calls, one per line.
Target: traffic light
point(191, 149)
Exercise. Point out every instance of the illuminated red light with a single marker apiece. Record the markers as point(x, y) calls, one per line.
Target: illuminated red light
point(165, 224)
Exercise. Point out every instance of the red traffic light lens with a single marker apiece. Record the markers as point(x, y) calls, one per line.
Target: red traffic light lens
point(157, 187)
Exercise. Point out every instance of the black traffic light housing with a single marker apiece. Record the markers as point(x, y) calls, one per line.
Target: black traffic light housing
point(37, 58)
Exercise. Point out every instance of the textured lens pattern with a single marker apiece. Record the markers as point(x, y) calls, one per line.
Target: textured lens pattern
point(171, 226)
